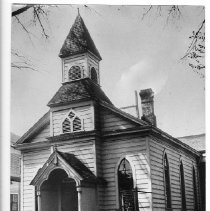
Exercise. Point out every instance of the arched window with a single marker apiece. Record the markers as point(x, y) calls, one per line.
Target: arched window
point(72, 123)
point(195, 190)
point(182, 186)
point(167, 182)
point(75, 73)
point(127, 194)
point(93, 74)
point(66, 126)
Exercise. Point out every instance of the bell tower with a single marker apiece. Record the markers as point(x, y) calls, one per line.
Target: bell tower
point(79, 55)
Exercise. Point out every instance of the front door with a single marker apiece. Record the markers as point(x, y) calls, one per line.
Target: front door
point(58, 193)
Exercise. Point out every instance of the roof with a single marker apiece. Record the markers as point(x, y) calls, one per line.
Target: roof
point(14, 159)
point(38, 126)
point(77, 165)
point(197, 142)
point(70, 163)
point(83, 89)
point(13, 138)
point(78, 40)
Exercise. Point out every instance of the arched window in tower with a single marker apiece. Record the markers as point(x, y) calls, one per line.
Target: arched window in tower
point(66, 126)
point(75, 73)
point(127, 193)
point(167, 182)
point(195, 190)
point(93, 74)
point(182, 186)
point(72, 123)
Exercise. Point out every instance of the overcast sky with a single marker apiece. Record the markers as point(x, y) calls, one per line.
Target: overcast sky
point(136, 53)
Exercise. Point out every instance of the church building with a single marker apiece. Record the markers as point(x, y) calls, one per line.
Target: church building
point(85, 154)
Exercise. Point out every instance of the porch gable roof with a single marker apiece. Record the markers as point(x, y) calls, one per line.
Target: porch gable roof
point(69, 163)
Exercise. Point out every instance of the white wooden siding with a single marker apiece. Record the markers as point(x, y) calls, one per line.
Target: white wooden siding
point(112, 122)
point(68, 63)
point(84, 112)
point(42, 135)
point(156, 152)
point(113, 151)
point(83, 150)
point(32, 161)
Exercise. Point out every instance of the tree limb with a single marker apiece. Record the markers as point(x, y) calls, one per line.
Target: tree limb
point(145, 13)
point(192, 45)
point(21, 10)
point(43, 30)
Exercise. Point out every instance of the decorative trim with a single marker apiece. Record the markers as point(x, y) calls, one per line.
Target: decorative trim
point(72, 121)
point(58, 140)
point(150, 171)
point(127, 157)
point(38, 126)
point(169, 172)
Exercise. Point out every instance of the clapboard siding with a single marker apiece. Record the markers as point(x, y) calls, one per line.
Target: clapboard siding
point(156, 158)
point(83, 150)
point(84, 112)
point(42, 135)
point(32, 161)
point(110, 121)
point(115, 149)
point(68, 63)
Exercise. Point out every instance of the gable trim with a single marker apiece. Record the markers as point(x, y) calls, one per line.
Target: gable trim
point(38, 126)
point(55, 161)
point(122, 113)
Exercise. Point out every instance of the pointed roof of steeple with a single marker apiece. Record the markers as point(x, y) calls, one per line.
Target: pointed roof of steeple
point(78, 40)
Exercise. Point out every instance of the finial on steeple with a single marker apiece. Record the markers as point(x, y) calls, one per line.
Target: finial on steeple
point(54, 148)
point(78, 11)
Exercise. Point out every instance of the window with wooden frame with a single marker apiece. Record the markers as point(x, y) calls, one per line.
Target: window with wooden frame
point(14, 202)
point(195, 190)
point(75, 73)
point(72, 123)
point(182, 186)
point(93, 74)
point(167, 182)
point(128, 197)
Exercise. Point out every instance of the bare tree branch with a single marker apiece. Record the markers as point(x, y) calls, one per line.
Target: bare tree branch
point(21, 10)
point(21, 62)
point(24, 28)
point(145, 13)
point(38, 17)
point(195, 39)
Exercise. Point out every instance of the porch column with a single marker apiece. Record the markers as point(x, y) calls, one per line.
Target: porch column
point(79, 191)
point(38, 193)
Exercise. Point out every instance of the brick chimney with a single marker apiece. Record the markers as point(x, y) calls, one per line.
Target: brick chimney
point(147, 104)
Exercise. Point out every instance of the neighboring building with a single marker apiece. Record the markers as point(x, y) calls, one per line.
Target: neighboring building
point(198, 142)
point(14, 175)
point(85, 154)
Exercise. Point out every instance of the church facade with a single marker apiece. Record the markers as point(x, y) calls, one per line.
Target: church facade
point(85, 154)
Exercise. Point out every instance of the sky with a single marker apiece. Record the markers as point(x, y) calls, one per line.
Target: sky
point(137, 54)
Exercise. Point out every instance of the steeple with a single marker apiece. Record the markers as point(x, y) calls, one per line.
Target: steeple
point(80, 57)
point(78, 40)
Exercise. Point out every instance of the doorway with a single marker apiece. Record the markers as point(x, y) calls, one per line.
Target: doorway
point(59, 193)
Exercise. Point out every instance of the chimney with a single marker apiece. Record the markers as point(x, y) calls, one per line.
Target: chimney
point(147, 103)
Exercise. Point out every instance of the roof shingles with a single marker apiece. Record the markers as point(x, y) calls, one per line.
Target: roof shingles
point(78, 41)
point(84, 89)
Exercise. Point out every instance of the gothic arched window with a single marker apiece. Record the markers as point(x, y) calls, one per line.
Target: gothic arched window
point(75, 73)
point(195, 190)
point(72, 123)
point(182, 186)
point(127, 194)
point(167, 182)
point(93, 74)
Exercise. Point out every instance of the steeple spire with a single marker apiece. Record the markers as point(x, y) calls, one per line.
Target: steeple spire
point(78, 40)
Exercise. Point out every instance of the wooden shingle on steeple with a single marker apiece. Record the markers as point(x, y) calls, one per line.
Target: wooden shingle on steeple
point(78, 41)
